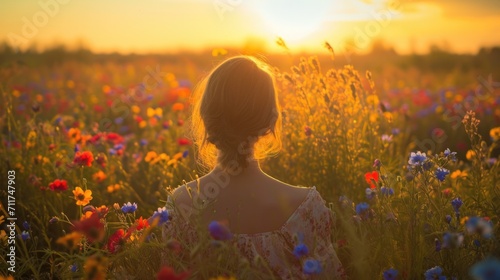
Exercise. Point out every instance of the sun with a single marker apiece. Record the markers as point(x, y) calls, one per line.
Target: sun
point(293, 20)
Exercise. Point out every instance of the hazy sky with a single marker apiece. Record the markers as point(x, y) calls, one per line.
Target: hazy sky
point(170, 25)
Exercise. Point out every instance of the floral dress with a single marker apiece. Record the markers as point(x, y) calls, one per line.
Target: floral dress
point(309, 225)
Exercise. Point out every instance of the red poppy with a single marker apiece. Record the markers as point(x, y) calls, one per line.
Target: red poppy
point(95, 138)
point(142, 223)
point(102, 211)
point(308, 131)
point(58, 185)
point(92, 227)
point(101, 159)
point(180, 122)
point(83, 158)
point(115, 241)
point(371, 178)
point(138, 119)
point(168, 273)
point(98, 108)
point(447, 192)
point(114, 138)
point(183, 141)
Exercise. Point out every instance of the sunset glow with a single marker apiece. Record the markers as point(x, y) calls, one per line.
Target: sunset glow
point(172, 25)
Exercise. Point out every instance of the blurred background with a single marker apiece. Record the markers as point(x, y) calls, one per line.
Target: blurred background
point(167, 26)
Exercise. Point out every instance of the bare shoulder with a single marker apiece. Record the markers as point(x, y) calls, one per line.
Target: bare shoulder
point(183, 193)
point(295, 194)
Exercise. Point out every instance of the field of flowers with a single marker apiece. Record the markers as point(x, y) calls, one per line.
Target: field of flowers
point(90, 153)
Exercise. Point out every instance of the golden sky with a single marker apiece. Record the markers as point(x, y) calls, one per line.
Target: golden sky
point(172, 25)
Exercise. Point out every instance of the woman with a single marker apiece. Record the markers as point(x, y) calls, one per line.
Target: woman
point(236, 121)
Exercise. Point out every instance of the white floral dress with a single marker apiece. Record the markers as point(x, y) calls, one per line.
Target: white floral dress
point(312, 221)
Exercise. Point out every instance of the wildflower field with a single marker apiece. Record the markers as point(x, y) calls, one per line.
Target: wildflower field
point(91, 151)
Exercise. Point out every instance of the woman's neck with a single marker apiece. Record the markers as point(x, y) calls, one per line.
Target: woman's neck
point(252, 169)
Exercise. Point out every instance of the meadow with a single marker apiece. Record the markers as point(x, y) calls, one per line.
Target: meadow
point(406, 158)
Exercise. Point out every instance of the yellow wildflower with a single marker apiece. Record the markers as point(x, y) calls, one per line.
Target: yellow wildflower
point(495, 133)
point(470, 154)
point(177, 107)
point(136, 109)
point(150, 156)
point(162, 156)
point(113, 188)
point(31, 139)
point(372, 99)
point(158, 112)
point(75, 135)
point(82, 197)
point(388, 116)
point(99, 176)
point(95, 267)
point(458, 173)
point(70, 240)
point(106, 89)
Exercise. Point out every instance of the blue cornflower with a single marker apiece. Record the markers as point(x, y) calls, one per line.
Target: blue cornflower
point(427, 165)
point(491, 161)
point(218, 231)
point(456, 203)
point(73, 268)
point(386, 191)
point(362, 207)
point(386, 138)
point(143, 142)
point(437, 244)
point(479, 226)
point(185, 154)
point(390, 274)
point(129, 207)
point(25, 235)
point(434, 273)
point(300, 250)
point(488, 269)
point(26, 225)
point(370, 193)
point(417, 159)
point(161, 214)
point(452, 240)
point(471, 224)
point(447, 219)
point(441, 173)
point(312, 266)
point(451, 154)
point(477, 243)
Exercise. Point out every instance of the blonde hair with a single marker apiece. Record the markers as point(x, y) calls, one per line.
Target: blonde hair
point(236, 114)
